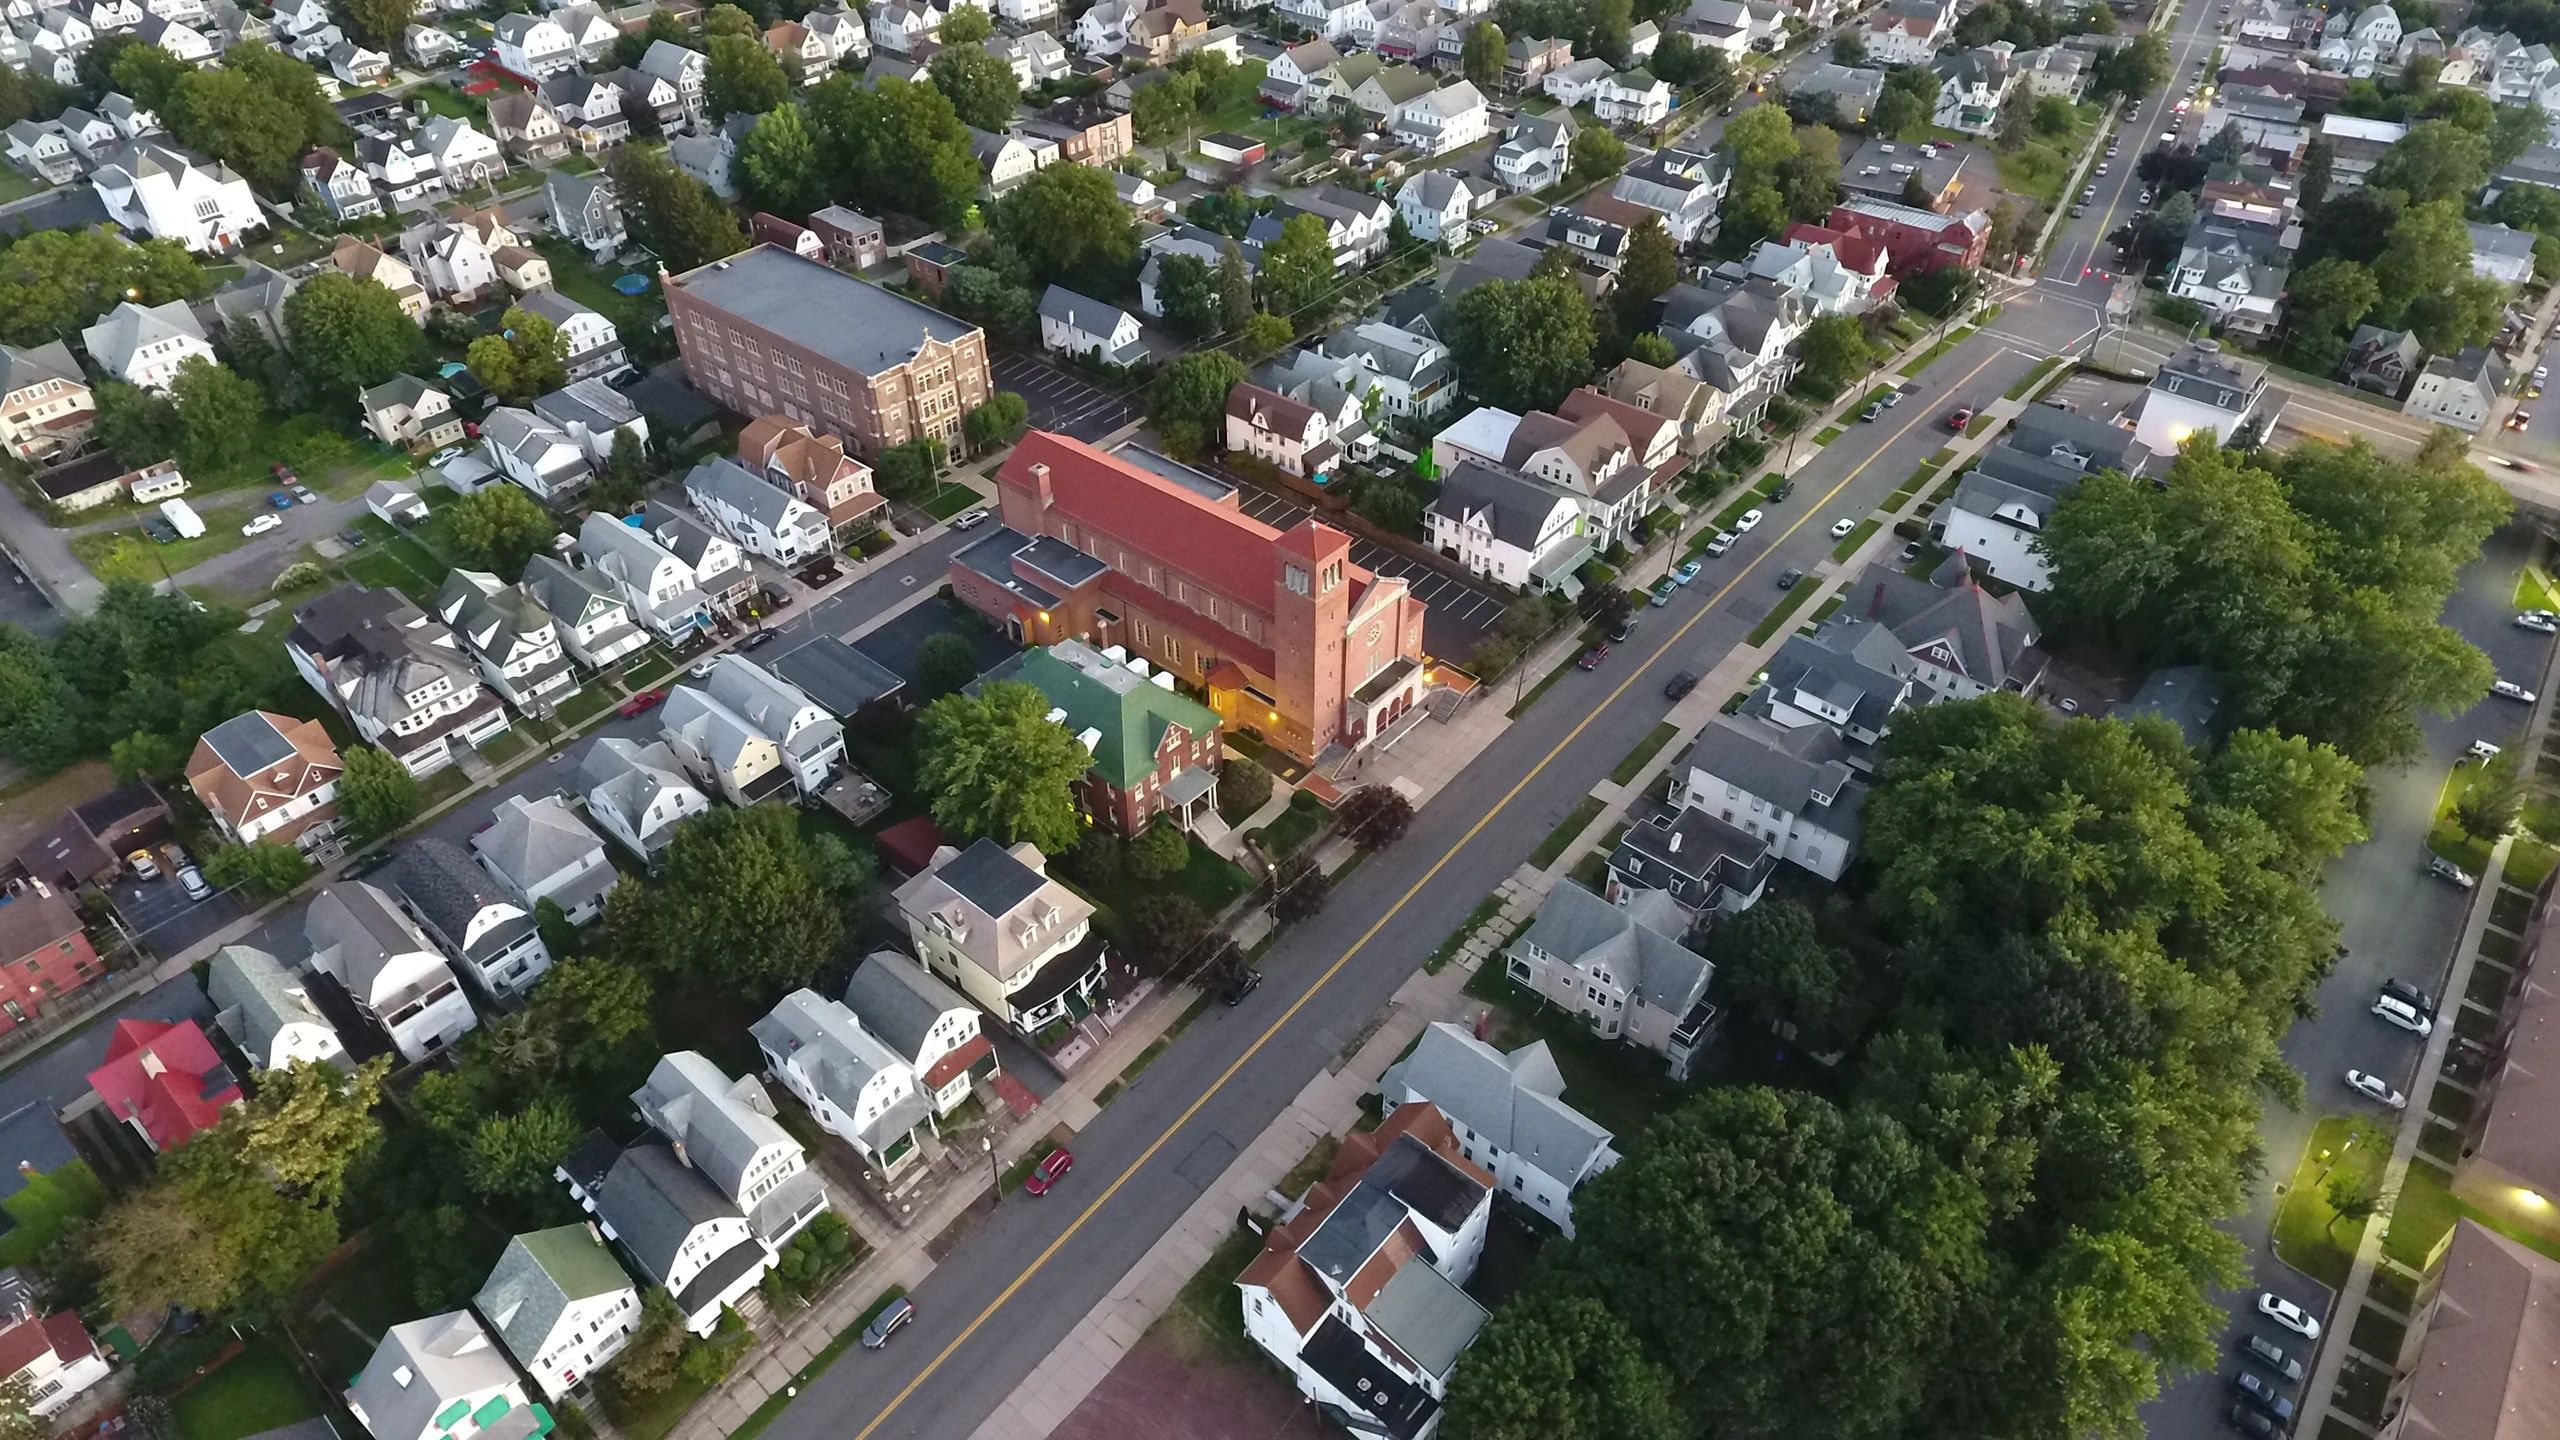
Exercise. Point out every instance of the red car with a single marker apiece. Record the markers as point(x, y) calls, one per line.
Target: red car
point(1045, 1175)
point(1960, 419)
point(1592, 657)
point(642, 703)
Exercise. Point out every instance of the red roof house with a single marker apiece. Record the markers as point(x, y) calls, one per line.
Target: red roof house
point(1915, 242)
point(165, 1080)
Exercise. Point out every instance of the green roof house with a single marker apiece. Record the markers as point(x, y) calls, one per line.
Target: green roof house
point(443, 1378)
point(1155, 750)
point(561, 1304)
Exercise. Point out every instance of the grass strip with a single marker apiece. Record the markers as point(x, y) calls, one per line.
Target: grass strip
point(1856, 537)
point(1788, 605)
point(1476, 920)
point(1829, 434)
point(1521, 707)
point(817, 1366)
point(1641, 756)
point(1563, 835)
point(2035, 377)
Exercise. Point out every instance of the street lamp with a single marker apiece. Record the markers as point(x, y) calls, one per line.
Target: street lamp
point(995, 1180)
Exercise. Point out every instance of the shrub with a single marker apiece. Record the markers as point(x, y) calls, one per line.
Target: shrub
point(1161, 851)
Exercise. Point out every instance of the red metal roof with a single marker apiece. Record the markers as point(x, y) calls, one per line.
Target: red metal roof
point(165, 1076)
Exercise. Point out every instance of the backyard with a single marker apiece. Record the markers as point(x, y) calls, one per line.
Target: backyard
point(255, 1391)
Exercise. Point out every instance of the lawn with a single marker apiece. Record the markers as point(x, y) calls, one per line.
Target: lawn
point(49, 1205)
point(258, 1390)
point(1856, 537)
point(1829, 434)
point(2446, 838)
point(2309, 1235)
point(1650, 746)
point(1209, 1310)
point(1293, 828)
point(1311, 1167)
point(15, 186)
point(505, 746)
point(441, 99)
point(2530, 862)
point(582, 280)
point(2035, 377)
point(2043, 166)
point(128, 554)
point(950, 499)
point(1562, 837)
point(2536, 590)
point(2421, 1218)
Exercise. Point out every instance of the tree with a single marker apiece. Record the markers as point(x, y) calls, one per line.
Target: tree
point(2437, 160)
point(905, 470)
point(1187, 293)
point(945, 664)
point(1835, 354)
point(148, 755)
point(1650, 267)
point(1374, 817)
point(1068, 225)
point(1243, 788)
point(993, 299)
point(1595, 154)
point(778, 167)
point(1159, 852)
point(1297, 271)
point(1809, 179)
point(1523, 343)
point(1902, 111)
point(982, 88)
point(1559, 1366)
point(377, 793)
point(899, 145)
point(997, 422)
point(595, 1011)
point(2016, 122)
point(2319, 162)
point(993, 765)
point(527, 357)
point(624, 481)
point(2323, 302)
point(647, 1362)
point(1611, 20)
point(743, 904)
point(2514, 129)
point(1191, 399)
point(730, 21)
point(311, 1122)
point(233, 118)
point(670, 214)
point(379, 23)
point(1264, 334)
point(1684, 63)
point(959, 31)
point(1167, 928)
point(2356, 1196)
point(1606, 607)
point(742, 78)
point(1235, 289)
point(1652, 349)
point(1480, 58)
point(2133, 70)
point(514, 1155)
point(499, 528)
point(2466, 313)
point(1297, 890)
point(348, 333)
point(2429, 250)
point(1849, 48)
point(261, 868)
point(1772, 967)
point(631, 45)
point(2489, 808)
point(1167, 110)
point(220, 416)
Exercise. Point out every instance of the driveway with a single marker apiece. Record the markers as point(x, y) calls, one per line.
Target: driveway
point(1060, 401)
point(1461, 611)
point(159, 913)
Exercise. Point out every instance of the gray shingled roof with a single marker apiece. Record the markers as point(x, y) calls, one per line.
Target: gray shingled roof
point(531, 839)
point(447, 893)
point(255, 997)
point(841, 1057)
point(538, 1276)
point(899, 1000)
point(1515, 1101)
point(854, 324)
point(1641, 937)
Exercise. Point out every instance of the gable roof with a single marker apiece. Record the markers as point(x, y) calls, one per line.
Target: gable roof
point(166, 1077)
point(1515, 1101)
point(1132, 712)
point(540, 1275)
point(255, 998)
point(1640, 939)
point(899, 1000)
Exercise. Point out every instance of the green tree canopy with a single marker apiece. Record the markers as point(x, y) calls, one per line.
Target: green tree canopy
point(348, 333)
point(982, 88)
point(376, 792)
point(1523, 344)
point(1297, 271)
point(1190, 400)
point(1068, 225)
point(742, 78)
point(527, 357)
point(499, 528)
point(778, 167)
point(743, 903)
point(995, 766)
point(672, 215)
point(1480, 57)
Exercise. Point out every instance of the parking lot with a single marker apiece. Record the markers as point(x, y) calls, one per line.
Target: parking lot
point(1068, 404)
point(1460, 613)
point(159, 913)
point(897, 642)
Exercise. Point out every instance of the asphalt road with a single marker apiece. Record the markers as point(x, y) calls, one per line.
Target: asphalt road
point(1031, 1271)
point(2082, 251)
point(2396, 919)
point(58, 1074)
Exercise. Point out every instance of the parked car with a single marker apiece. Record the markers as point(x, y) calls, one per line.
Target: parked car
point(280, 500)
point(1619, 632)
point(1892, 398)
point(282, 472)
point(364, 865)
point(641, 703)
point(1592, 657)
point(2444, 869)
point(2373, 1087)
point(1872, 411)
point(2270, 1354)
point(1750, 521)
point(701, 669)
point(2482, 750)
point(303, 494)
point(2289, 1315)
point(775, 597)
point(1240, 981)
point(1045, 1176)
point(1841, 528)
point(160, 530)
point(1687, 572)
point(262, 525)
point(447, 456)
point(1961, 418)
point(2510, 690)
point(1910, 552)
point(892, 1317)
point(2401, 989)
point(144, 867)
point(2395, 1011)
point(2261, 1392)
point(1679, 685)
point(2254, 1425)
point(2542, 621)
point(1787, 578)
point(969, 519)
point(1785, 489)
point(759, 640)
point(191, 880)
point(1663, 589)
point(353, 539)
point(1723, 542)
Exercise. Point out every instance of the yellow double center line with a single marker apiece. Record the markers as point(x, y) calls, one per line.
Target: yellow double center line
point(1085, 1216)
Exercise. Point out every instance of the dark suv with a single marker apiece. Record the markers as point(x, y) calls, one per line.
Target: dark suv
point(2417, 999)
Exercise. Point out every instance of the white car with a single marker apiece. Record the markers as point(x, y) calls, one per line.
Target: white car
point(262, 525)
point(969, 519)
point(2403, 1014)
point(1840, 528)
point(1751, 518)
point(2541, 373)
point(191, 880)
point(2446, 869)
point(2507, 689)
point(2375, 1088)
point(2483, 750)
point(2539, 621)
point(446, 456)
point(2289, 1315)
point(1723, 542)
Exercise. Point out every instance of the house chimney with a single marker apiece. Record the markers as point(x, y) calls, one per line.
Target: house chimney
point(1040, 490)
